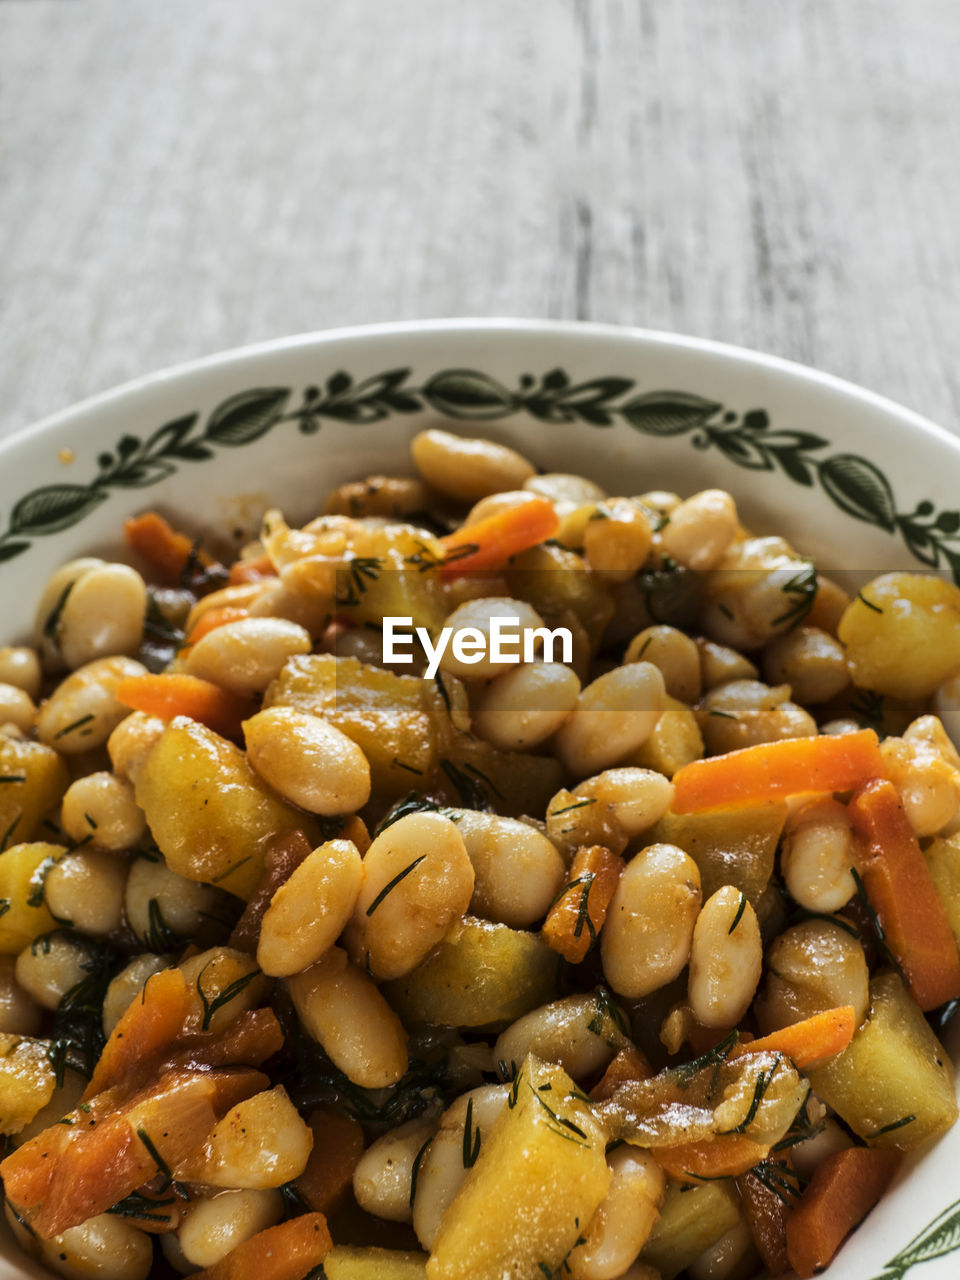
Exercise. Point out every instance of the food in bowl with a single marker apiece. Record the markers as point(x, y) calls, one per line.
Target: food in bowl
point(491, 877)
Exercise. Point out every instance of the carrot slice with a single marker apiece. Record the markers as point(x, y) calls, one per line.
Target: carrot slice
point(628, 1067)
point(169, 552)
point(337, 1148)
point(169, 695)
point(842, 1191)
point(579, 910)
point(288, 1251)
point(901, 891)
point(252, 570)
point(807, 1042)
point(490, 543)
point(766, 1214)
point(774, 770)
point(701, 1161)
point(213, 618)
point(147, 1027)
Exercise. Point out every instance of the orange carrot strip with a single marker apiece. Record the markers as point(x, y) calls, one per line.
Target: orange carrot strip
point(252, 570)
point(288, 1251)
point(777, 769)
point(168, 551)
point(901, 891)
point(169, 695)
point(490, 543)
point(580, 909)
point(700, 1161)
point(766, 1214)
point(842, 1191)
point(337, 1148)
point(213, 618)
point(147, 1027)
point(807, 1042)
point(630, 1066)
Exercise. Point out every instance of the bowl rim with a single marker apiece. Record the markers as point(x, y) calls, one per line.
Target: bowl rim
point(792, 370)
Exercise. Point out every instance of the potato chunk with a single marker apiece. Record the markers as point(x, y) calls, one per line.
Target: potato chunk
point(35, 779)
point(27, 1081)
point(540, 1174)
point(24, 914)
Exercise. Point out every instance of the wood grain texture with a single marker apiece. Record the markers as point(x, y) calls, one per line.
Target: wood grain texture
point(178, 178)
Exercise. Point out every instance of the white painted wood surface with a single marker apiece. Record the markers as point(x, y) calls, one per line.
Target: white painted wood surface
point(183, 176)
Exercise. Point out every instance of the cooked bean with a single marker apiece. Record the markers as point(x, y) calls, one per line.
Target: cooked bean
point(242, 596)
point(127, 985)
point(391, 496)
point(473, 623)
point(309, 911)
point(17, 707)
point(523, 707)
point(213, 1225)
point(718, 664)
point(341, 1008)
point(87, 889)
point(467, 469)
point(417, 879)
point(19, 1014)
point(810, 661)
point(638, 797)
point(131, 742)
point(661, 501)
point(20, 667)
point(676, 656)
point(730, 1256)
point(51, 966)
point(565, 490)
point(581, 1033)
point(725, 959)
point(613, 716)
point(162, 907)
point(925, 768)
point(223, 983)
point(760, 589)
point(645, 941)
point(261, 1142)
point(618, 541)
point(813, 966)
point(624, 1218)
point(442, 1168)
point(244, 656)
point(745, 713)
point(53, 599)
point(384, 1174)
point(82, 711)
point(102, 615)
point(308, 760)
point(107, 1247)
point(100, 808)
point(517, 870)
point(817, 856)
point(806, 1155)
point(573, 822)
point(701, 529)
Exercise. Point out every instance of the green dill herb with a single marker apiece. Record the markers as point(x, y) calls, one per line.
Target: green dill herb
point(778, 1177)
point(869, 603)
point(409, 767)
point(5, 905)
point(51, 624)
point(76, 1037)
point(472, 794)
point(442, 689)
point(722, 715)
point(471, 1138)
point(726, 611)
point(227, 871)
point(877, 928)
point(761, 1085)
point(714, 1057)
point(643, 649)
point(9, 832)
point(605, 1008)
point(71, 728)
point(415, 1169)
point(162, 1167)
point(580, 804)
point(893, 1125)
point(739, 916)
point(12, 777)
point(37, 881)
point(388, 888)
point(802, 588)
point(160, 937)
point(138, 1206)
point(224, 997)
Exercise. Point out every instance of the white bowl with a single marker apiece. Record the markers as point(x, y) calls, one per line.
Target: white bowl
point(845, 475)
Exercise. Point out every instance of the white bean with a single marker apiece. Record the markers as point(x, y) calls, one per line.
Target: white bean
point(384, 1173)
point(726, 957)
point(523, 707)
point(162, 907)
point(107, 1247)
point(581, 1033)
point(470, 651)
point(638, 797)
point(82, 711)
point(467, 469)
point(20, 666)
point(309, 911)
point(646, 938)
point(87, 888)
point(102, 615)
point(17, 707)
point(244, 656)
point(614, 716)
point(213, 1225)
point(222, 984)
point(341, 1008)
point(700, 529)
point(48, 618)
point(730, 1256)
point(676, 655)
point(617, 540)
point(813, 966)
point(624, 1218)
point(308, 760)
point(495, 503)
point(417, 879)
point(131, 742)
point(718, 664)
point(517, 870)
point(810, 661)
point(442, 1168)
point(573, 491)
point(817, 856)
point(50, 966)
point(19, 1015)
point(127, 985)
point(261, 1142)
point(100, 808)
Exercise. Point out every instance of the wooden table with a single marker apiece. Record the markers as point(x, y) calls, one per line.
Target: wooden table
point(189, 175)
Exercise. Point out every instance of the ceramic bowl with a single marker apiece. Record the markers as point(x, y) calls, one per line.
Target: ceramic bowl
point(850, 478)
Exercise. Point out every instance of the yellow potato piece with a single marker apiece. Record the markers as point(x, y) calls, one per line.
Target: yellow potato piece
point(23, 913)
point(27, 1080)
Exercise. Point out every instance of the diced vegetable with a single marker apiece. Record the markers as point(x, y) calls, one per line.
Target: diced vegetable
point(775, 770)
point(901, 891)
point(354, 1262)
point(691, 1219)
point(489, 544)
point(170, 695)
point(33, 779)
point(289, 1251)
point(730, 846)
point(674, 741)
point(843, 1190)
point(337, 1148)
point(168, 552)
point(540, 1172)
point(809, 1042)
point(574, 921)
point(725, 1156)
point(146, 1030)
point(628, 1065)
point(27, 1080)
point(942, 857)
point(24, 914)
point(766, 1212)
